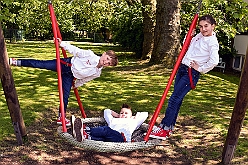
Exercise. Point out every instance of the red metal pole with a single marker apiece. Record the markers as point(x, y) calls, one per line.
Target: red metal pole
point(53, 19)
point(79, 103)
point(75, 89)
point(65, 56)
point(178, 62)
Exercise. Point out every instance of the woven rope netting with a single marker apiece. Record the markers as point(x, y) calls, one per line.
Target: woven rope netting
point(100, 146)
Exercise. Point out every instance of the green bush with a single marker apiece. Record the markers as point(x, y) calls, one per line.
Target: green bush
point(127, 28)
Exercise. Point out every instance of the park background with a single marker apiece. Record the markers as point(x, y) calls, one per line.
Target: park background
point(139, 79)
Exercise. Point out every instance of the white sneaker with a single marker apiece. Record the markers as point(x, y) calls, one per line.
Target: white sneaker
point(67, 122)
point(79, 130)
point(72, 126)
point(78, 127)
point(13, 61)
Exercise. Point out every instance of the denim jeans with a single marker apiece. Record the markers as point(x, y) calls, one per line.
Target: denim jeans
point(106, 134)
point(66, 73)
point(181, 88)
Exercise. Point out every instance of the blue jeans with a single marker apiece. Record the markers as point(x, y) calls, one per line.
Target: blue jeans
point(66, 73)
point(181, 88)
point(106, 134)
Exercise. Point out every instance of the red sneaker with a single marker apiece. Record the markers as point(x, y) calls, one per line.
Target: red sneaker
point(160, 133)
point(67, 122)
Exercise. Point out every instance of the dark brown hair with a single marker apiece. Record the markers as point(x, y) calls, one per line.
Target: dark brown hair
point(112, 55)
point(208, 18)
point(126, 106)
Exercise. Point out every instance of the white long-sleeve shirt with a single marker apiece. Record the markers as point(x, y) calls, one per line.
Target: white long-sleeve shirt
point(125, 125)
point(203, 50)
point(84, 64)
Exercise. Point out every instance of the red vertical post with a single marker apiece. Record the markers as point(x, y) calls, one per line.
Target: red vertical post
point(75, 89)
point(55, 33)
point(79, 103)
point(176, 66)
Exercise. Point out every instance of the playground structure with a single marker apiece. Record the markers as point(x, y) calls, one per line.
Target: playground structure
point(240, 106)
point(10, 93)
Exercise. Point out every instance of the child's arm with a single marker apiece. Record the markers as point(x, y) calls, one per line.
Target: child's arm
point(140, 117)
point(75, 51)
point(114, 114)
point(108, 115)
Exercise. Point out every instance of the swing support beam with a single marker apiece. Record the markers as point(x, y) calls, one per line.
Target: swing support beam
point(10, 93)
point(55, 34)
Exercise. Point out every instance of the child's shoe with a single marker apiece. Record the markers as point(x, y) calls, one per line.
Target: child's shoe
point(72, 119)
point(79, 130)
point(160, 133)
point(67, 122)
point(13, 61)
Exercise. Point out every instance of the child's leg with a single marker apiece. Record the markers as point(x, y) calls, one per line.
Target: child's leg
point(106, 134)
point(41, 64)
point(181, 88)
point(67, 79)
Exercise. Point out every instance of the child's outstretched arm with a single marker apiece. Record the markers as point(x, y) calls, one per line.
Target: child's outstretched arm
point(75, 51)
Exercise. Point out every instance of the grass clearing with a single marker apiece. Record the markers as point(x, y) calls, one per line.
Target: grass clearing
point(203, 119)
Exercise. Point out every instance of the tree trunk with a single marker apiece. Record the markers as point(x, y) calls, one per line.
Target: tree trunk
point(238, 115)
point(10, 92)
point(167, 33)
point(148, 11)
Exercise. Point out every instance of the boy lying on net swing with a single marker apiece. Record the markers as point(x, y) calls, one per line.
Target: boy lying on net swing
point(120, 126)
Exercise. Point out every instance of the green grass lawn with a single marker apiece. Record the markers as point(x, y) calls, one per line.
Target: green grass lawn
point(134, 82)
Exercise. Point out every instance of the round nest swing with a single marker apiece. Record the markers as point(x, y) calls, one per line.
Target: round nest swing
point(100, 146)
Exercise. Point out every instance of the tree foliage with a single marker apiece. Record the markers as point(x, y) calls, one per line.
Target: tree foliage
point(35, 18)
point(231, 17)
point(126, 25)
point(91, 15)
point(8, 12)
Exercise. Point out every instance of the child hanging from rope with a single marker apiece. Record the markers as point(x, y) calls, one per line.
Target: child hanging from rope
point(84, 66)
point(120, 126)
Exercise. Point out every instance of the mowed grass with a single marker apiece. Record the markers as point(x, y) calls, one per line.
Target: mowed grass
point(208, 107)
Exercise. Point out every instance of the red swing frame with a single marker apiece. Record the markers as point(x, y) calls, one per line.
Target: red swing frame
point(57, 34)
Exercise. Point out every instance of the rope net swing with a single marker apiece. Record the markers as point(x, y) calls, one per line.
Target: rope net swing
point(139, 140)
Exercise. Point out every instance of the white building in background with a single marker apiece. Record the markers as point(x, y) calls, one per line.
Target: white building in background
point(241, 45)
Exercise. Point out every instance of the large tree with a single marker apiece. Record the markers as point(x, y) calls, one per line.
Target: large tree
point(148, 12)
point(167, 36)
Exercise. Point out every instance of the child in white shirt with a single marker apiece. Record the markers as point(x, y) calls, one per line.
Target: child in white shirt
point(84, 66)
point(120, 126)
point(201, 57)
